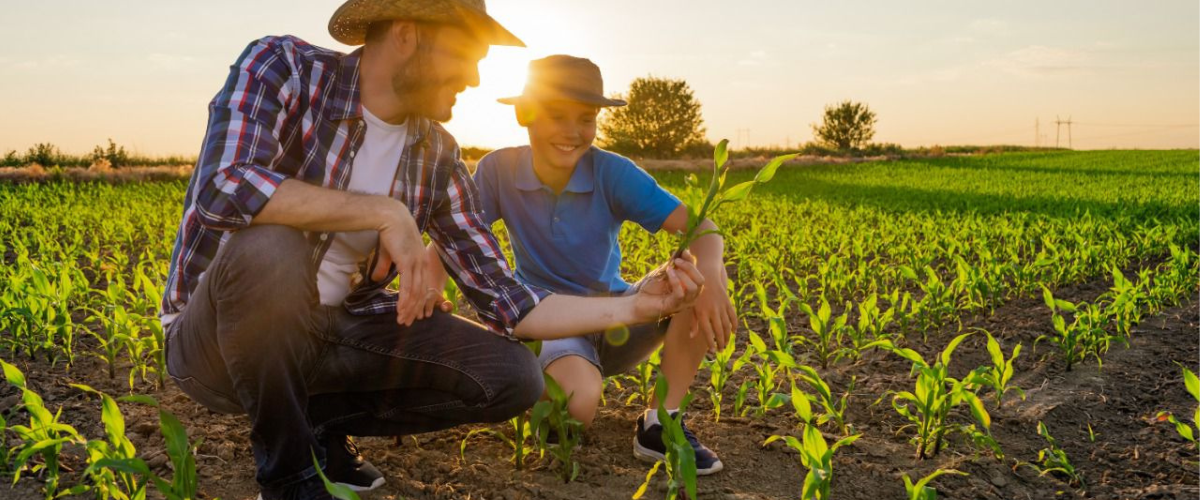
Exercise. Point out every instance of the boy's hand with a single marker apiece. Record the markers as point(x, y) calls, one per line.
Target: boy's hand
point(670, 289)
point(715, 316)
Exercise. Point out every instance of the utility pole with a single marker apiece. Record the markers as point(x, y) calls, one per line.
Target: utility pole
point(1037, 134)
point(1058, 123)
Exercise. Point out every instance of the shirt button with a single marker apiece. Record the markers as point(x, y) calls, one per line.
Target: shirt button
point(324, 236)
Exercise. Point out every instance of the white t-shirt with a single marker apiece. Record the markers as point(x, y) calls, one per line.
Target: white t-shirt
point(373, 171)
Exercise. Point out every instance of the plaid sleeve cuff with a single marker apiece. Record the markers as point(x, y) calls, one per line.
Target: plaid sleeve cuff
point(254, 190)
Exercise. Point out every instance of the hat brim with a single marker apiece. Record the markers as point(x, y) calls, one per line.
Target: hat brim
point(565, 95)
point(351, 20)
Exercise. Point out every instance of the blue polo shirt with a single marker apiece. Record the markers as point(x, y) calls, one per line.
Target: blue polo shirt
point(567, 243)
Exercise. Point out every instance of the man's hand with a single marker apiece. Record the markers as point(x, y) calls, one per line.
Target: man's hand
point(716, 318)
point(400, 245)
point(435, 278)
point(669, 289)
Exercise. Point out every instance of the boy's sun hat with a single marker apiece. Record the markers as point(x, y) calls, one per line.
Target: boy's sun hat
point(566, 78)
point(350, 22)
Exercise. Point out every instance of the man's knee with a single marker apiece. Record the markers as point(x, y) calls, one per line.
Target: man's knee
point(521, 386)
point(274, 256)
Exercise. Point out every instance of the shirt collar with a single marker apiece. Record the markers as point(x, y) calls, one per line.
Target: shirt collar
point(580, 181)
point(346, 102)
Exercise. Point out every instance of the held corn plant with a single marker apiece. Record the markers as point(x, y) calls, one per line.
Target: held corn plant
point(44, 437)
point(680, 463)
point(933, 396)
point(718, 195)
point(815, 453)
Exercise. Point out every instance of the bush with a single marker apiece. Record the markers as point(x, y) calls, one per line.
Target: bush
point(114, 155)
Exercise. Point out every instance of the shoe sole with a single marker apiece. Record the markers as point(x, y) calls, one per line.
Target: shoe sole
point(650, 456)
point(359, 489)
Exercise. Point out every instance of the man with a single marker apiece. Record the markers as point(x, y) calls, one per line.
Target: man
point(318, 174)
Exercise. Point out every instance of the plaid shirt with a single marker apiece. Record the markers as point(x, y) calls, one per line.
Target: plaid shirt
point(292, 110)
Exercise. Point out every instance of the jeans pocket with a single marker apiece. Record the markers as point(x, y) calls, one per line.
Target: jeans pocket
point(211, 399)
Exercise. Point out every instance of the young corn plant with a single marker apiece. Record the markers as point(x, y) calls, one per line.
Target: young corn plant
point(1188, 432)
point(723, 366)
point(1084, 336)
point(921, 489)
point(45, 437)
point(775, 317)
point(643, 379)
point(335, 490)
point(998, 376)
point(718, 195)
point(834, 407)
point(552, 415)
point(518, 443)
point(771, 363)
point(111, 483)
point(1053, 460)
point(680, 463)
point(933, 396)
point(871, 325)
point(828, 332)
point(181, 452)
point(815, 454)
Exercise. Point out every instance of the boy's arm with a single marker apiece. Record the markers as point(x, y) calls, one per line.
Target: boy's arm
point(716, 318)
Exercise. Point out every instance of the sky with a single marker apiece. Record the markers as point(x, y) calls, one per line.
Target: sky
point(1127, 74)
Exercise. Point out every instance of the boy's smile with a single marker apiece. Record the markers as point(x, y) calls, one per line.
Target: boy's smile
point(560, 133)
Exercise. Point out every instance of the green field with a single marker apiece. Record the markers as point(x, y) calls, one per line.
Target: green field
point(836, 265)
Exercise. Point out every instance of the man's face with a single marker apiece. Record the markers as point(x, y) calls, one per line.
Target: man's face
point(445, 63)
point(560, 132)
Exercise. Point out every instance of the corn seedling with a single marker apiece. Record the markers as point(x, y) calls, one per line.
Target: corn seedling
point(826, 342)
point(1188, 432)
point(835, 407)
point(680, 463)
point(339, 491)
point(552, 415)
point(921, 489)
point(45, 437)
point(181, 452)
point(720, 369)
point(1083, 337)
point(767, 370)
point(999, 375)
point(1053, 460)
point(112, 483)
point(643, 379)
point(815, 454)
point(933, 396)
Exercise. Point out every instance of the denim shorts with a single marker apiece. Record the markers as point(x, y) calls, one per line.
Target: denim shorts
point(613, 351)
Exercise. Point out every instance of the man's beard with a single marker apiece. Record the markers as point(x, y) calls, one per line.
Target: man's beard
point(415, 87)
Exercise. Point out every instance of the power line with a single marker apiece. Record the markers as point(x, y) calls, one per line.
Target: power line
point(1178, 125)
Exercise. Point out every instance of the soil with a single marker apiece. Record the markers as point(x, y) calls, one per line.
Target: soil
point(1132, 456)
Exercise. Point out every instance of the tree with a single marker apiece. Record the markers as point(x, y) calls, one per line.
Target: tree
point(662, 120)
point(116, 155)
point(847, 125)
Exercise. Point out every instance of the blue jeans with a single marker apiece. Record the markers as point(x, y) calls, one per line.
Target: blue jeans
point(254, 339)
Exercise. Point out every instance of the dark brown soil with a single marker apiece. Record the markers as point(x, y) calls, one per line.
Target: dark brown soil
point(1133, 455)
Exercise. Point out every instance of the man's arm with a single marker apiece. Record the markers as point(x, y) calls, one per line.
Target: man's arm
point(561, 316)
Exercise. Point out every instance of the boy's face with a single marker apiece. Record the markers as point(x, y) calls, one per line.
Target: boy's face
point(560, 132)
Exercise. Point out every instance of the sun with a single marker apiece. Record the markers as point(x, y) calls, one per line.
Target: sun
point(481, 121)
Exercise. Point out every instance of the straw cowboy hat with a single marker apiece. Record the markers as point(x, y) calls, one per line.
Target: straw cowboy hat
point(349, 23)
point(566, 78)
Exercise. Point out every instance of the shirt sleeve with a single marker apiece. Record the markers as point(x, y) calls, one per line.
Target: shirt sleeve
point(486, 181)
point(637, 197)
point(232, 181)
point(473, 257)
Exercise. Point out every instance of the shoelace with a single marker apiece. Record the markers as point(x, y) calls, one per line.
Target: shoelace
point(690, 436)
point(351, 447)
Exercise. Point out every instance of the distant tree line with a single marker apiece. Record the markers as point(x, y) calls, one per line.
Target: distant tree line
point(113, 155)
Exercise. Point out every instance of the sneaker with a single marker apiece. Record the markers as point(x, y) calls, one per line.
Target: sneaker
point(648, 446)
point(344, 465)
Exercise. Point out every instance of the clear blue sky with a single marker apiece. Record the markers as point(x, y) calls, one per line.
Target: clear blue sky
point(77, 72)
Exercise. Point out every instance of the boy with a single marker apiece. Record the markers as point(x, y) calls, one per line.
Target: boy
point(563, 202)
